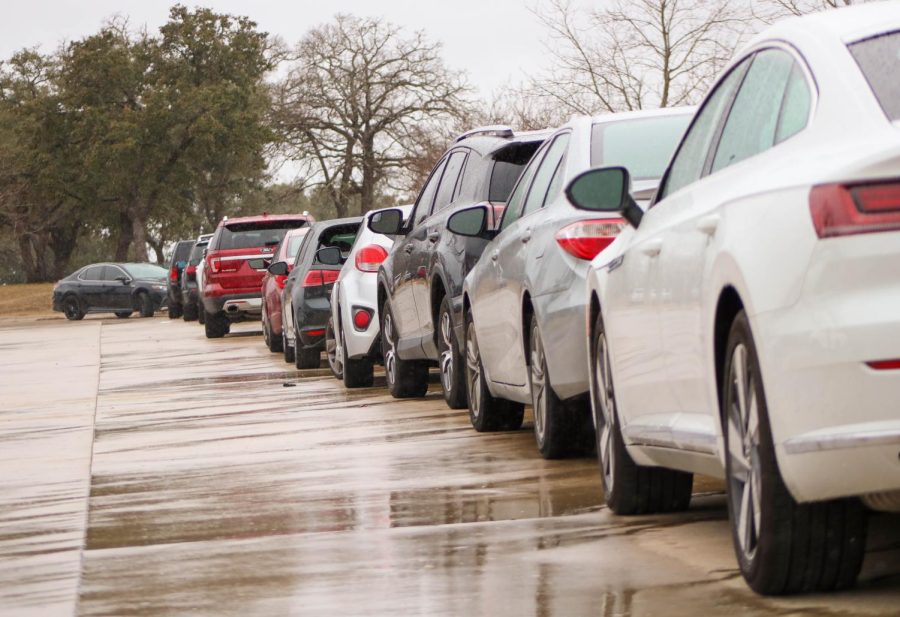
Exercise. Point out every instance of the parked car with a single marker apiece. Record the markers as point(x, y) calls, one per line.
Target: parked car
point(231, 286)
point(190, 284)
point(352, 345)
point(119, 288)
point(420, 283)
point(177, 263)
point(307, 290)
point(273, 285)
point(747, 327)
point(524, 300)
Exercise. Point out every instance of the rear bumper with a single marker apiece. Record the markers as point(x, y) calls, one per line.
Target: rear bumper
point(234, 305)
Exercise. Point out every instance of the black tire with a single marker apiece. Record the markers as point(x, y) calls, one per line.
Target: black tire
point(144, 304)
point(306, 358)
point(486, 413)
point(175, 311)
point(782, 546)
point(72, 308)
point(556, 425)
point(189, 312)
point(405, 378)
point(274, 343)
point(201, 313)
point(358, 373)
point(450, 359)
point(123, 314)
point(332, 352)
point(629, 488)
point(216, 325)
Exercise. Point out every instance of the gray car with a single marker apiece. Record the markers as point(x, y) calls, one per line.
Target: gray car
point(524, 301)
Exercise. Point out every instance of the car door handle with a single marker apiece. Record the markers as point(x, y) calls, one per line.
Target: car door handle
point(526, 235)
point(708, 224)
point(495, 256)
point(433, 236)
point(652, 247)
point(408, 249)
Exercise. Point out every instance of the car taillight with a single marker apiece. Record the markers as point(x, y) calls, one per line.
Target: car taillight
point(361, 319)
point(280, 280)
point(217, 264)
point(841, 210)
point(368, 258)
point(885, 365)
point(316, 278)
point(191, 269)
point(173, 274)
point(585, 239)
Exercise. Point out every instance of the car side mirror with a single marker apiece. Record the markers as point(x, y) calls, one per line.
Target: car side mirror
point(279, 268)
point(123, 279)
point(387, 222)
point(471, 222)
point(330, 256)
point(605, 189)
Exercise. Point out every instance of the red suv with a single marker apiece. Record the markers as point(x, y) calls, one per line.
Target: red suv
point(231, 284)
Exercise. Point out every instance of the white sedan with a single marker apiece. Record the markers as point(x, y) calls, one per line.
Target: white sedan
point(748, 325)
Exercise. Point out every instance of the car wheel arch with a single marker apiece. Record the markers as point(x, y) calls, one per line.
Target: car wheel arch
point(728, 305)
point(527, 312)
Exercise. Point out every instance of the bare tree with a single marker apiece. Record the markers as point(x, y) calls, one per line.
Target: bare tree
point(358, 98)
point(633, 54)
point(768, 11)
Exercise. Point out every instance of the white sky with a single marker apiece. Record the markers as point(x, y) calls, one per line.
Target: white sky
point(494, 41)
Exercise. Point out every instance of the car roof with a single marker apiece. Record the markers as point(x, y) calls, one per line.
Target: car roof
point(320, 225)
point(264, 217)
point(489, 144)
point(643, 113)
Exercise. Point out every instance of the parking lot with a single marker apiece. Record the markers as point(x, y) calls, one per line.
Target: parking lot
point(146, 470)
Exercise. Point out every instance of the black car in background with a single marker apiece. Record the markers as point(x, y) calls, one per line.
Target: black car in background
point(177, 263)
point(420, 283)
point(190, 288)
point(119, 288)
point(306, 299)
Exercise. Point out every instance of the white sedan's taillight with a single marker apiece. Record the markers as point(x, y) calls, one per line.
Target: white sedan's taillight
point(841, 210)
point(585, 239)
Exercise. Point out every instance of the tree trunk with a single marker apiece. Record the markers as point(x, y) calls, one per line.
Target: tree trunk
point(157, 247)
point(126, 234)
point(367, 191)
point(139, 238)
point(64, 238)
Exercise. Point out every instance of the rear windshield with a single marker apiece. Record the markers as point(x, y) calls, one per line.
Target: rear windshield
point(252, 235)
point(294, 243)
point(145, 271)
point(197, 253)
point(508, 167)
point(879, 60)
point(182, 250)
point(643, 146)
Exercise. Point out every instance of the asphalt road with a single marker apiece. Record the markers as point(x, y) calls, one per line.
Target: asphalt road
point(145, 470)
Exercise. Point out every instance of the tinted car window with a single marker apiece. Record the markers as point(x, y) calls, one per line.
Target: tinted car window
point(111, 272)
point(514, 206)
point(879, 60)
point(93, 273)
point(341, 236)
point(751, 124)
point(448, 181)
point(197, 253)
point(426, 197)
point(690, 160)
point(794, 107)
point(252, 235)
point(626, 143)
point(545, 173)
point(145, 271)
point(182, 252)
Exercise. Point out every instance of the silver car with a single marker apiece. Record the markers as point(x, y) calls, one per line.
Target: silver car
point(524, 300)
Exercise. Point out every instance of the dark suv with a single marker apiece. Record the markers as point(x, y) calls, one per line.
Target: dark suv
point(420, 283)
point(177, 263)
point(231, 285)
point(190, 290)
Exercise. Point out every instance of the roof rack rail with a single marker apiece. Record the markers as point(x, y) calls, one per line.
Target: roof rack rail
point(497, 130)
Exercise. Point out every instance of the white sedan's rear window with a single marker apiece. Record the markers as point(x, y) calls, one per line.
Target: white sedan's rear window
point(879, 59)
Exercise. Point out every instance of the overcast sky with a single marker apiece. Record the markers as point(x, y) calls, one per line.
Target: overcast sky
point(494, 41)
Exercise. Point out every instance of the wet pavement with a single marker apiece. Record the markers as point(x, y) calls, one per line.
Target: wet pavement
point(145, 470)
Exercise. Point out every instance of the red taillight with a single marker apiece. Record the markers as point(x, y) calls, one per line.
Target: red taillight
point(839, 210)
point(280, 280)
point(191, 269)
point(585, 239)
point(316, 278)
point(314, 333)
point(885, 365)
point(368, 258)
point(361, 319)
point(173, 274)
point(217, 264)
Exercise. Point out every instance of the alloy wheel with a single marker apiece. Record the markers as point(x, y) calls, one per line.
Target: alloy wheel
point(390, 354)
point(743, 452)
point(446, 358)
point(71, 308)
point(473, 363)
point(538, 384)
point(605, 402)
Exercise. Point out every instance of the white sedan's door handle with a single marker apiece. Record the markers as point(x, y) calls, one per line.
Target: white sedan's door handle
point(652, 247)
point(708, 224)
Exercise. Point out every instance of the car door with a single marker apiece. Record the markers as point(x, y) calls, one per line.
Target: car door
point(91, 287)
point(771, 104)
point(117, 295)
point(634, 290)
point(493, 287)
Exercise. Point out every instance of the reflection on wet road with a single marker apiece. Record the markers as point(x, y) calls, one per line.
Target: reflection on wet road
point(149, 471)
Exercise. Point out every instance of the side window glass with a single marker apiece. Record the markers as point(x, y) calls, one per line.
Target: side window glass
point(426, 197)
point(94, 273)
point(751, 124)
point(111, 272)
point(545, 173)
point(794, 107)
point(512, 212)
point(449, 180)
point(690, 159)
point(461, 181)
